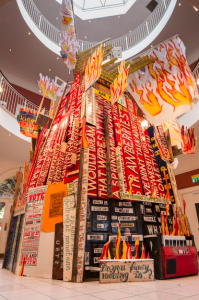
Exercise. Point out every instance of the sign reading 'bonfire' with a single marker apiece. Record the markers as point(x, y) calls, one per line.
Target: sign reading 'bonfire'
point(166, 89)
point(93, 68)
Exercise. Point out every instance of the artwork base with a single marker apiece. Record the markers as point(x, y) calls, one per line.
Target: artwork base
point(126, 270)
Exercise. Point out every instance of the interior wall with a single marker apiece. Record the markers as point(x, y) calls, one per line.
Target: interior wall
point(4, 227)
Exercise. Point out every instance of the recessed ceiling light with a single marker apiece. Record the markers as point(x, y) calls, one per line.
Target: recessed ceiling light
point(151, 46)
point(89, 21)
point(118, 16)
point(49, 69)
point(129, 30)
point(195, 8)
point(57, 57)
point(179, 4)
point(57, 18)
point(85, 37)
point(9, 134)
point(10, 50)
point(29, 33)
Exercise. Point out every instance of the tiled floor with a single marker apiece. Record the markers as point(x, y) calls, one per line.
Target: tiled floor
point(13, 287)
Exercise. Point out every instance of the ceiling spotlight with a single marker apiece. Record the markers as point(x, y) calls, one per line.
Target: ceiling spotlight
point(179, 4)
point(151, 46)
point(9, 134)
point(85, 37)
point(57, 57)
point(29, 33)
point(49, 69)
point(129, 30)
point(195, 8)
point(89, 21)
point(10, 50)
point(57, 18)
point(118, 16)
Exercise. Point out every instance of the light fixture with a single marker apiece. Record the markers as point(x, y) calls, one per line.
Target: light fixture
point(118, 16)
point(57, 57)
point(179, 4)
point(9, 134)
point(144, 124)
point(29, 33)
point(151, 46)
point(85, 37)
point(57, 18)
point(198, 81)
point(89, 21)
point(49, 69)
point(129, 30)
point(195, 8)
point(10, 50)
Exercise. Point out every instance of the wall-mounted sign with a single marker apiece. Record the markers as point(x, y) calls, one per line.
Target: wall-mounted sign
point(195, 178)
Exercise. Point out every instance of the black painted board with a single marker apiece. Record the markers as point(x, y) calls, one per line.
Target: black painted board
point(58, 252)
point(17, 243)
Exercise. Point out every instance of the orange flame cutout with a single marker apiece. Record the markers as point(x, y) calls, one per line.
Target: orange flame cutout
point(129, 253)
point(117, 244)
point(130, 184)
point(84, 138)
point(154, 194)
point(137, 243)
point(93, 67)
point(119, 85)
point(47, 88)
point(143, 256)
point(124, 255)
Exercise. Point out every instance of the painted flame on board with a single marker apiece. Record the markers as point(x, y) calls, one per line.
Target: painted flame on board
point(120, 83)
point(167, 88)
point(93, 67)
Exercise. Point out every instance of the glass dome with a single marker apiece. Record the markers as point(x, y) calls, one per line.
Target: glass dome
point(93, 9)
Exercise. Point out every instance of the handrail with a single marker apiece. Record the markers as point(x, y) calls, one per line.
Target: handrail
point(126, 42)
point(12, 100)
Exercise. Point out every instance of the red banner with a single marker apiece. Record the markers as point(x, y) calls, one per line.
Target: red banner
point(92, 167)
point(131, 166)
point(138, 147)
point(101, 150)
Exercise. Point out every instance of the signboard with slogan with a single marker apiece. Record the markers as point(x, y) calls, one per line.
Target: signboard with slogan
point(129, 270)
point(32, 228)
point(26, 120)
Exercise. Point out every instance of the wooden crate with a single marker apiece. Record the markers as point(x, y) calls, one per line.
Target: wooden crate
point(126, 270)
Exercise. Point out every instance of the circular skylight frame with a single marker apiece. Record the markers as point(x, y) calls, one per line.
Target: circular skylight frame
point(86, 11)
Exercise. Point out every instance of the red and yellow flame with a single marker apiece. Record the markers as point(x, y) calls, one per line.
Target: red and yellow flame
point(137, 243)
point(143, 256)
point(84, 137)
point(124, 254)
point(119, 85)
point(117, 244)
point(47, 88)
point(129, 253)
point(93, 67)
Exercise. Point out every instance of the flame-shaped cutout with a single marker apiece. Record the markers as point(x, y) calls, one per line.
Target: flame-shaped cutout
point(119, 85)
point(47, 88)
point(130, 186)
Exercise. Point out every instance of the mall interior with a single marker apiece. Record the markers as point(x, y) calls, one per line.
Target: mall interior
point(99, 162)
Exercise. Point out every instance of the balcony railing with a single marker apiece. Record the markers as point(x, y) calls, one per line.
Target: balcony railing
point(126, 42)
point(12, 100)
point(196, 75)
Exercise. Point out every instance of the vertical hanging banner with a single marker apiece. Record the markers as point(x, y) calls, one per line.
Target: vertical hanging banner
point(82, 223)
point(90, 107)
point(167, 88)
point(69, 43)
point(138, 147)
point(93, 67)
point(121, 178)
point(101, 150)
point(158, 177)
point(69, 220)
point(116, 124)
point(32, 228)
point(130, 158)
point(111, 165)
point(92, 168)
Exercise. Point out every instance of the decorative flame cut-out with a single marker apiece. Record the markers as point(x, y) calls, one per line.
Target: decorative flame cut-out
point(137, 243)
point(117, 244)
point(47, 88)
point(93, 67)
point(189, 142)
point(119, 85)
point(84, 138)
point(167, 89)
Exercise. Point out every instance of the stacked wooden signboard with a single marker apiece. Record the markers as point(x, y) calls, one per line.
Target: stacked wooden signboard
point(94, 167)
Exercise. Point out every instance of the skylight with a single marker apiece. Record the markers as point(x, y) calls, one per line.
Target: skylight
point(93, 9)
